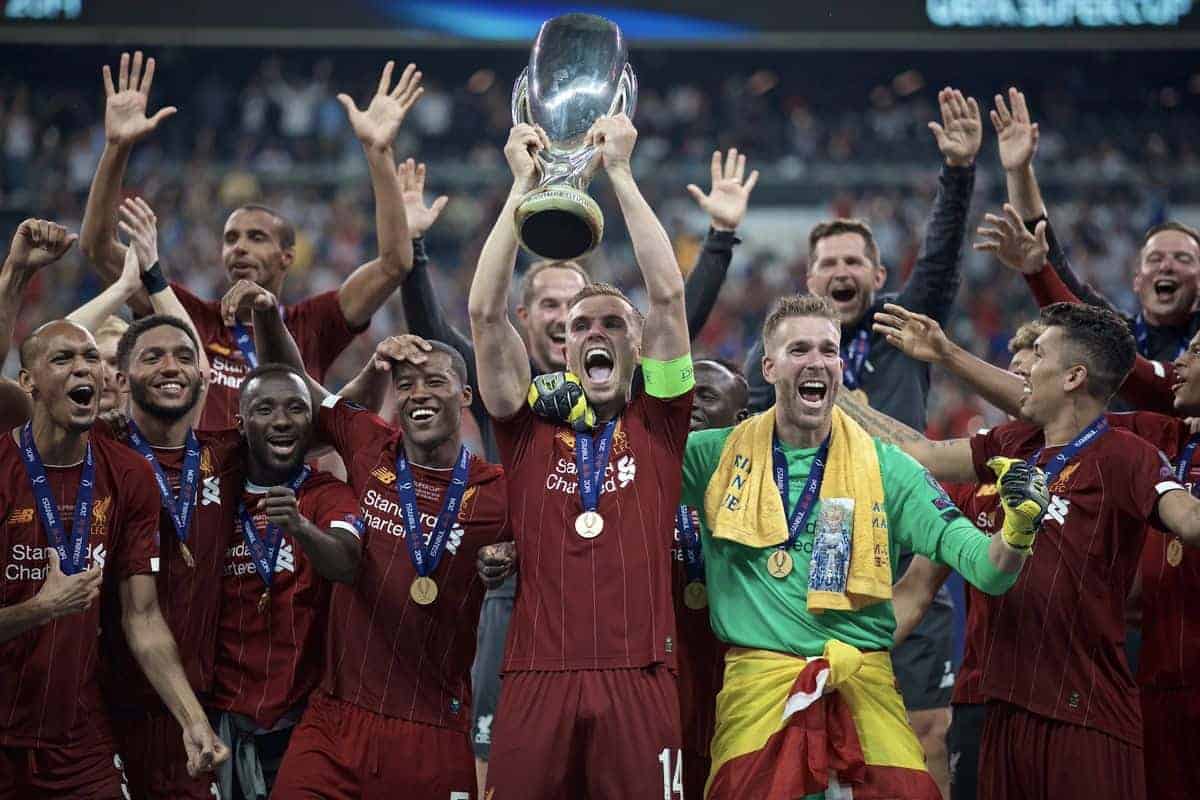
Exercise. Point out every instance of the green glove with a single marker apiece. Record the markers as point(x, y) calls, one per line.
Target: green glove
point(1024, 497)
point(558, 396)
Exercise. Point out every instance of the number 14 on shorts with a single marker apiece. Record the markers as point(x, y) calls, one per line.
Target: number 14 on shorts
point(671, 761)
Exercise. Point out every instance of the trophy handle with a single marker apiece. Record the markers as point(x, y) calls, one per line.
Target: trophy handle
point(520, 98)
point(627, 91)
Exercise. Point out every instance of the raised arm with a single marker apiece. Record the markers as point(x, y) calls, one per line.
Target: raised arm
point(501, 359)
point(1180, 512)
point(94, 312)
point(272, 340)
point(370, 286)
point(932, 287)
point(125, 124)
point(950, 461)
point(922, 338)
point(665, 336)
point(725, 205)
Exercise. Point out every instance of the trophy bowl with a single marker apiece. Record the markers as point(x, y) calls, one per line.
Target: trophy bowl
point(577, 73)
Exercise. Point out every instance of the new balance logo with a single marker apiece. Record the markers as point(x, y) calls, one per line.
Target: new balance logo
point(1058, 509)
point(210, 492)
point(384, 475)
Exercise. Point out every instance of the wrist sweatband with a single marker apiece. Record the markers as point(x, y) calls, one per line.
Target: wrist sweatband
point(153, 279)
point(668, 379)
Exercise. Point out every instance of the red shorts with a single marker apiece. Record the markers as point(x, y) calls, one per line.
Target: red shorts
point(87, 770)
point(1031, 757)
point(602, 734)
point(340, 750)
point(155, 759)
point(1171, 730)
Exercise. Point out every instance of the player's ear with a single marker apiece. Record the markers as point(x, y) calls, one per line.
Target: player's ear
point(1075, 378)
point(26, 382)
point(768, 368)
point(122, 381)
point(467, 395)
point(239, 423)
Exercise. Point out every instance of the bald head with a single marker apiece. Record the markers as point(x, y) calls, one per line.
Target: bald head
point(34, 345)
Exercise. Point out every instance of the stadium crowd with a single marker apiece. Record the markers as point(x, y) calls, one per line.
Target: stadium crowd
point(224, 395)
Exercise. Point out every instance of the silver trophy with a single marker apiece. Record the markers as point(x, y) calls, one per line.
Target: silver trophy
point(577, 72)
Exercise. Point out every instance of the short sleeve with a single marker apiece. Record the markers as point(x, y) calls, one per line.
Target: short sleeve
point(1145, 475)
point(320, 330)
point(1011, 439)
point(135, 535)
point(700, 459)
point(348, 427)
point(334, 505)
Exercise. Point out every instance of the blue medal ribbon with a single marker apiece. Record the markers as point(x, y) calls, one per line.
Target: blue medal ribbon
point(1141, 334)
point(264, 550)
point(72, 553)
point(689, 540)
point(180, 508)
point(592, 466)
point(1090, 434)
point(245, 342)
point(425, 559)
point(812, 488)
point(1185, 461)
point(854, 357)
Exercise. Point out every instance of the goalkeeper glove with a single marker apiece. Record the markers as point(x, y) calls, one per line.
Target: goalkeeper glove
point(1024, 496)
point(558, 396)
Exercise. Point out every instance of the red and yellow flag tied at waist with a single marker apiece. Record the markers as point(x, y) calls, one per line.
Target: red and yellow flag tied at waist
point(789, 727)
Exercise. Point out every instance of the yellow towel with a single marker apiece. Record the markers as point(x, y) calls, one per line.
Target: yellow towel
point(742, 504)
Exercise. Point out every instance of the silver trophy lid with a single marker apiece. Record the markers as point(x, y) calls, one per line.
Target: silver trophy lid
point(574, 76)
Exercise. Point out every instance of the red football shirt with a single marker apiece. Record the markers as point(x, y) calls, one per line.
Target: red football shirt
point(597, 603)
point(386, 653)
point(701, 659)
point(189, 597)
point(51, 689)
point(317, 324)
point(1056, 639)
point(979, 503)
point(1170, 655)
point(268, 661)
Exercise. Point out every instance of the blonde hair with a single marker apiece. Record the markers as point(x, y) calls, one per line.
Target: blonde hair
point(799, 305)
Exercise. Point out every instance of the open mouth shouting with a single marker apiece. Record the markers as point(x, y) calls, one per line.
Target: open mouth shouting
point(1165, 289)
point(598, 364)
point(812, 392)
point(82, 397)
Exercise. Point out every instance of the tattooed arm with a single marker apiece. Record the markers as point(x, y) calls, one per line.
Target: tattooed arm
point(948, 460)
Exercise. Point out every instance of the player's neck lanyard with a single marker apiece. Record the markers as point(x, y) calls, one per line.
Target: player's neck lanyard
point(854, 357)
point(1090, 434)
point(812, 488)
point(180, 508)
point(591, 466)
point(74, 559)
point(245, 342)
point(1185, 460)
point(265, 549)
point(1141, 333)
point(689, 539)
point(425, 559)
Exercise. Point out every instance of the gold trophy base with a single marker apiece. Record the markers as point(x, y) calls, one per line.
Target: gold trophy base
point(559, 223)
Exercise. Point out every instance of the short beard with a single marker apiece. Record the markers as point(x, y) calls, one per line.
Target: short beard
point(141, 398)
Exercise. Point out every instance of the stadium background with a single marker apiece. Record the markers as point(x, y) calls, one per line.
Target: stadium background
point(828, 100)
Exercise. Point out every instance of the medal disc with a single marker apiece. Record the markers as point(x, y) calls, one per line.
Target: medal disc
point(423, 591)
point(779, 564)
point(695, 595)
point(1175, 553)
point(589, 524)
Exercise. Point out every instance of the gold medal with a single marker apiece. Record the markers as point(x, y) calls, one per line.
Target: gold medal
point(589, 524)
point(779, 564)
point(186, 554)
point(264, 600)
point(695, 595)
point(1175, 552)
point(423, 591)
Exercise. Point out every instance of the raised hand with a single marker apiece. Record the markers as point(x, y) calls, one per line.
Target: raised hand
point(960, 134)
point(1017, 136)
point(282, 508)
point(405, 347)
point(38, 243)
point(726, 202)
point(614, 138)
point(243, 297)
point(1010, 241)
point(411, 176)
point(916, 335)
point(125, 120)
point(138, 222)
point(520, 151)
point(377, 127)
point(63, 594)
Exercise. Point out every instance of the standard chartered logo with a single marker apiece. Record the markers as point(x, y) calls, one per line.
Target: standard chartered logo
point(1056, 13)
